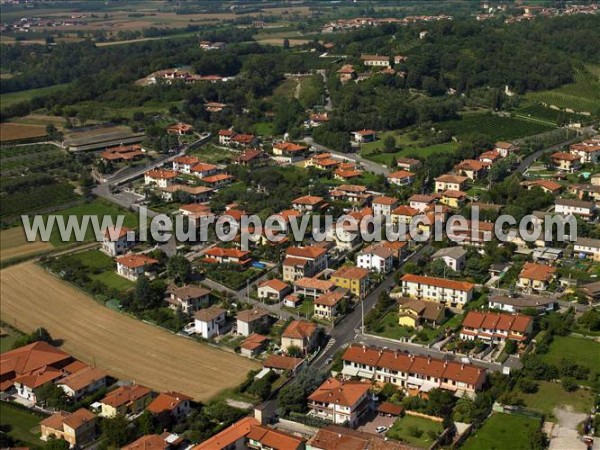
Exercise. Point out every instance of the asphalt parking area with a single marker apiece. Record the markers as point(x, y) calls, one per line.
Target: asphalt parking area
point(377, 421)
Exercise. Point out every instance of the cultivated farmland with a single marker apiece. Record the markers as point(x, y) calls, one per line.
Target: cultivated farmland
point(13, 244)
point(581, 96)
point(13, 131)
point(125, 347)
point(498, 128)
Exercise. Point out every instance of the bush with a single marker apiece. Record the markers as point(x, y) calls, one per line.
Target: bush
point(569, 384)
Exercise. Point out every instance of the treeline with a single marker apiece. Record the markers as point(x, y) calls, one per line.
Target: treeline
point(40, 66)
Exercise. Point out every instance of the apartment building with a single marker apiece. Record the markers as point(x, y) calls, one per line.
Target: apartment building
point(414, 373)
point(302, 262)
point(451, 293)
point(341, 402)
point(496, 327)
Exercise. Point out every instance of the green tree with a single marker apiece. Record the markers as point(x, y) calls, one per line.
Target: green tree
point(53, 396)
point(389, 144)
point(464, 411)
point(294, 350)
point(115, 431)
point(260, 388)
point(179, 269)
point(56, 444)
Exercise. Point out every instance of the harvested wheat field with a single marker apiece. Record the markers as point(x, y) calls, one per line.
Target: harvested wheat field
point(13, 131)
point(125, 347)
point(13, 244)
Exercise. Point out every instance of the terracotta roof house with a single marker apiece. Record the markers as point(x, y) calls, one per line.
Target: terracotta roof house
point(160, 177)
point(305, 261)
point(335, 437)
point(299, 334)
point(450, 182)
point(217, 181)
point(354, 279)
point(283, 363)
point(341, 402)
point(123, 153)
point(326, 305)
point(312, 287)
point(447, 292)
point(179, 129)
point(546, 185)
point(308, 203)
point(421, 202)
point(171, 403)
point(83, 382)
point(263, 437)
point(536, 276)
point(77, 428)
point(409, 164)
point(252, 158)
point(401, 178)
point(124, 400)
point(220, 255)
point(496, 327)
point(231, 437)
point(505, 148)
point(363, 136)
point(413, 312)
point(289, 152)
point(132, 266)
point(253, 345)
point(472, 169)
point(147, 442)
point(383, 206)
point(415, 373)
point(273, 289)
point(565, 161)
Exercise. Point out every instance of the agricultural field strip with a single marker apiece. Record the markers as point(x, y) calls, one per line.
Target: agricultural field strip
point(123, 346)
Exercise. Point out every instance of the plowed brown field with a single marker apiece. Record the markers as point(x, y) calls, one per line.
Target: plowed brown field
point(123, 346)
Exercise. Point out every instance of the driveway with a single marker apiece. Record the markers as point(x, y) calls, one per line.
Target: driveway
point(377, 421)
point(564, 434)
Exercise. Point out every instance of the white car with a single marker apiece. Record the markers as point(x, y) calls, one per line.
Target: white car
point(381, 429)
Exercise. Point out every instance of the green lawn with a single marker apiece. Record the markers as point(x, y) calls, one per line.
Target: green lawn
point(20, 424)
point(551, 395)
point(98, 207)
point(579, 350)
point(415, 430)
point(389, 327)
point(497, 128)
point(102, 268)
point(7, 341)
point(502, 432)
point(212, 155)
point(21, 96)
point(264, 128)
point(412, 152)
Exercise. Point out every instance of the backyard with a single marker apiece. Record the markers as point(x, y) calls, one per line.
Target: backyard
point(503, 431)
point(417, 431)
point(551, 395)
point(99, 208)
point(579, 350)
point(102, 268)
point(20, 424)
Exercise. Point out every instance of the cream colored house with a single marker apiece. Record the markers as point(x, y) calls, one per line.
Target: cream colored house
point(77, 428)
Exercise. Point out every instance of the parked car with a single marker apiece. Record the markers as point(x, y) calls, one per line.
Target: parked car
point(381, 429)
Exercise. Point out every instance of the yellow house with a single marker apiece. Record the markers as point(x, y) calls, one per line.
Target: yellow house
point(536, 276)
point(413, 312)
point(77, 428)
point(565, 161)
point(355, 279)
point(453, 199)
point(126, 400)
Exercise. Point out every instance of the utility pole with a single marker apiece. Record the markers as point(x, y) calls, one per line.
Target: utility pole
point(362, 317)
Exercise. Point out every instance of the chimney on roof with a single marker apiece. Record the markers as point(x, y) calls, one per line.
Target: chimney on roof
point(364, 348)
point(462, 366)
point(428, 359)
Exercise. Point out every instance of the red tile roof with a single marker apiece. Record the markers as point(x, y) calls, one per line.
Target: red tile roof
point(219, 252)
point(308, 252)
point(73, 420)
point(281, 362)
point(254, 341)
point(159, 174)
point(125, 394)
point(438, 282)
point(351, 273)
point(275, 284)
point(299, 329)
point(538, 272)
point(401, 174)
point(135, 261)
point(385, 200)
point(167, 402)
point(229, 435)
point(308, 200)
point(274, 439)
point(290, 147)
point(343, 393)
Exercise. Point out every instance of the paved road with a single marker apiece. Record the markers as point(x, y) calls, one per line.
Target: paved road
point(348, 329)
point(529, 160)
point(352, 157)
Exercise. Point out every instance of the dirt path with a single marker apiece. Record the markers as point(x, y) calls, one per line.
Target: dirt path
point(125, 347)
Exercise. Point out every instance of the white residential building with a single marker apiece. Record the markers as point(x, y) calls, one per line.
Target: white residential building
point(451, 293)
point(377, 258)
point(208, 322)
